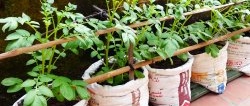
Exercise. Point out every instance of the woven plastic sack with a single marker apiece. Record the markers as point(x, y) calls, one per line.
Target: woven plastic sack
point(170, 87)
point(211, 72)
point(239, 55)
point(133, 93)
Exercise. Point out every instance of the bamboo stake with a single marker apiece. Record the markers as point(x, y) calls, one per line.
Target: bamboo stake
point(100, 32)
point(158, 58)
point(36, 47)
point(131, 61)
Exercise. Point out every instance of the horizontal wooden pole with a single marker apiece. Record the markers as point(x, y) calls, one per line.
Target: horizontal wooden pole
point(144, 63)
point(36, 47)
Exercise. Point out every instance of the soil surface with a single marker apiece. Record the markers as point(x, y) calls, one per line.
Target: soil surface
point(202, 50)
point(166, 64)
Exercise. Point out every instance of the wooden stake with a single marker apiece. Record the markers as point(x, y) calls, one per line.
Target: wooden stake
point(100, 32)
point(131, 62)
point(143, 63)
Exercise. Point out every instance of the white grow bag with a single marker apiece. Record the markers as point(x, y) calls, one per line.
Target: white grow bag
point(133, 93)
point(239, 55)
point(211, 72)
point(170, 87)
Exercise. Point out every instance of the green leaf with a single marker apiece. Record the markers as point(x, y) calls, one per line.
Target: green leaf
point(83, 29)
point(110, 80)
point(14, 88)
point(37, 68)
point(56, 83)
point(139, 74)
point(178, 38)
point(194, 38)
point(46, 91)
point(43, 100)
point(82, 92)
point(11, 81)
point(24, 39)
point(79, 83)
point(27, 89)
point(72, 45)
point(23, 32)
point(37, 101)
point(201, 36)
point(32, 61)
point(25, 17)
point(214, 51)
point(162, 54)
point(125, 6)
point(5, 26)
point(137, 55)
point(118, 80)
point(93, 53)
point(44, 78)
point(13, 36)
point(64, 79)
point(33, 74)
point(52, 76)
point(183, 57)
point(146, 54)
point(235, 37)
point(125, 37)
point(65, 31)
point(10, 22)
point(28, 83)
point(67, 91)
point(50, 1)
point(29, 98)
point(170, 47)
point(57, 94)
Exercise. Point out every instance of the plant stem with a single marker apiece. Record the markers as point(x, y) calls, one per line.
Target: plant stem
point(184, 23)
point(174, 24)
point(106, 60)
point(57, 58)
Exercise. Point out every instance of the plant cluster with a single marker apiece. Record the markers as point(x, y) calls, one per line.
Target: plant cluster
point(44, 85)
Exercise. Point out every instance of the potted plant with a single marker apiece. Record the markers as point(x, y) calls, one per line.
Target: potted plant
point(115, 52)
point(170, 75)
point(42, 85)
point(173, 73)
point(238, 48)
point(213, 63)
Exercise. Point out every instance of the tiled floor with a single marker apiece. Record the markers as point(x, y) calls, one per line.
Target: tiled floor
point(237, 94)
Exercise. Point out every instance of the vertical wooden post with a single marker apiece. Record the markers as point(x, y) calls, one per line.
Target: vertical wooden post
point(131, 61)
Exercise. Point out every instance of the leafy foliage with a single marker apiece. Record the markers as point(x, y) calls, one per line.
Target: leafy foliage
point(44, 85)
point(149, 41)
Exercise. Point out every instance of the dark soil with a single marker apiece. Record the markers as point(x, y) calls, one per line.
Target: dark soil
point(247, 34)
point(202, 50)
point(166, 64)
point(54, 102)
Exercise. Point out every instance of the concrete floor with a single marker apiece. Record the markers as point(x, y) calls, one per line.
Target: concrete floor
point(237, 94)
